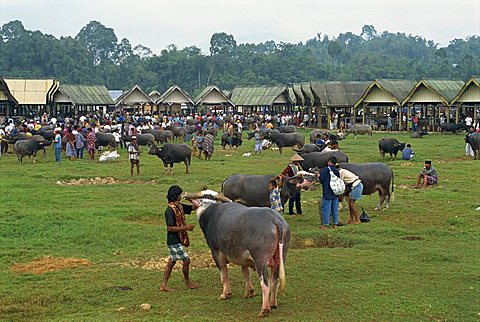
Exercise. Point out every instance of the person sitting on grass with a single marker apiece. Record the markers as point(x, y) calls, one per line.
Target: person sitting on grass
point(428, 175)
point(407, 153)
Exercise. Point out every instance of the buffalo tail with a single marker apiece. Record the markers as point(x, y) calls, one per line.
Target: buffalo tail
point(283, 280)
point(392, 195)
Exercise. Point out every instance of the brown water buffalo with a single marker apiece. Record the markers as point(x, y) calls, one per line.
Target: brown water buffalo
point(360, 129)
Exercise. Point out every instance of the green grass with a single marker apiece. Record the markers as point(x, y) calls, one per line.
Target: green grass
point(361, 272)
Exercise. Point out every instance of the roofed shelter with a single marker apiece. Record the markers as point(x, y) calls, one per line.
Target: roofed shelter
point(7, 101)
point(173, 100)
point(433, 96)
point(214, 98)
point(261, 98)
point(469, 98)
point(77, 99)
point(133, 99)
point(34, 96)
point(332, 96)
point(382, 94)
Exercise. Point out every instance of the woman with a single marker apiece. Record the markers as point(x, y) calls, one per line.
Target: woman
point(91, 139)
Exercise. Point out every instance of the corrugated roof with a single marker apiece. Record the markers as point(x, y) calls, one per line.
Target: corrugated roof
point(207, 90)
point(338, 94)
point(257, 95)
point(163, 98)
point(473, 80)
point(398, 88)
point(6, 91)
point(32, 91)
point(87, 95)
point(446, 88)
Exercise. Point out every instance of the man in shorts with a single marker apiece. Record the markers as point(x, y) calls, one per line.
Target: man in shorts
point(133, 155)
point(177, 236)
point(428, 175)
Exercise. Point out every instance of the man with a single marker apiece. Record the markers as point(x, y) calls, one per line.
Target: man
point(57, 144)
point(258, 140)
point(468, 147)
point(355, 190)
point(329, 199)
point(133, 155)
point(407, 152)
point(468, 121)
point(428, 175)
point(290, 171)
point(177, 236)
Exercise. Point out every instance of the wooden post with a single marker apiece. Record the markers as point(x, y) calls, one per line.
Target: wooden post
point(329, 117)
point(400, 116)
point(364, 107)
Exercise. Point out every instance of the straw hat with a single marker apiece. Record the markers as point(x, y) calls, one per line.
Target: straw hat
point(296, 157)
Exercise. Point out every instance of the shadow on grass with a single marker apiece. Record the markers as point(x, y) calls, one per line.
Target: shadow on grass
point(320, 242)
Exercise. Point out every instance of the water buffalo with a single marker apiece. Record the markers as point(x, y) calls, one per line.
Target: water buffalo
point(160, 136)
point(319, 159)
point(256, 237)
point(310, 147)
point(236, 140)
point(315, 135)
point(375, 177)
point(172, 153)
point(252, 190)
point(360, 129)
point(474, 141)
point(105, 139)
point(287, 129)
point(282, 140)
point(452, 127)
point(29, 147)
point(418, 135)
point(178, 132)
point(390, 146)
point(380, 122)
point(142, 139)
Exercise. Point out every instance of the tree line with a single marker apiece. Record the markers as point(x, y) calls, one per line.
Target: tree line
point(96, 56)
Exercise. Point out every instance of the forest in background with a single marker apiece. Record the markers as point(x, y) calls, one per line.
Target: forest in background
point(95, 56)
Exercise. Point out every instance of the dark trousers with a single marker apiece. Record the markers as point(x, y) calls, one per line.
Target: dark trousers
point(295, 199)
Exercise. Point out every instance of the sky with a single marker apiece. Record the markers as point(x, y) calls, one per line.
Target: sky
point(159, 23)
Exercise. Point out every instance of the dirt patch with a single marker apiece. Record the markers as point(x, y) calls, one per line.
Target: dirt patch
point(48, 264)
point(319, 242)
point(197, 261)
point(407, 164)
point(412, 238)
point(101, 181)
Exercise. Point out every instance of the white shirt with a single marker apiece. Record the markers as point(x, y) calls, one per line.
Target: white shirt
point(468, 121)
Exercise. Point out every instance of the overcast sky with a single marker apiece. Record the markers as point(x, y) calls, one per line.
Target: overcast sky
point(158, 23)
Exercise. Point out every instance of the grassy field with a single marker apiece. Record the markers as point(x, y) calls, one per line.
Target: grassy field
point(417, 261)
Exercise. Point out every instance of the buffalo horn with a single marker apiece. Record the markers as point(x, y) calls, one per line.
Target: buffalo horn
point(222, 198)
point(194, 195)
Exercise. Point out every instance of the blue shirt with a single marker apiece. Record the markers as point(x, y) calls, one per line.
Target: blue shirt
point(325, 181)
point(407, 153)
point(58, 141)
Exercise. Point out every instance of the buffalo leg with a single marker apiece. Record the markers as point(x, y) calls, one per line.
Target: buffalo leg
point(187, 166)
point(262, 271)
point(381, 200)
point(165, 166)
point(249, 291)
point(221, 262)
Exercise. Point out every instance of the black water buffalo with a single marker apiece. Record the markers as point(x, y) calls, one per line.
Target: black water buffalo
point(310, 147)
point(418, 135)
point(319, 159)
point(29, 147)
point(105, 139)
point(360, 129)
point(452, 127)
point(287, 129)
point(256, 237)
point(172, 153)
point(380, 122)
point(47, 134)
point(160, 136)
point(236, 140)
point(282, 140)
point(474, 141)
point(142, 139)
point(375, 176)
point(390, 146)
point(315, 135)
point(252, 190)
point(178, 132)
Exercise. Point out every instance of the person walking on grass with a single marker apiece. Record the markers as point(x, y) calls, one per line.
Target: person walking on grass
point(91, 139)
point(329, 199)
point(177, 236)
point(134, 155)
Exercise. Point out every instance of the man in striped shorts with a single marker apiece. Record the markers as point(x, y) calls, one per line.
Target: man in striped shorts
point(177, 236)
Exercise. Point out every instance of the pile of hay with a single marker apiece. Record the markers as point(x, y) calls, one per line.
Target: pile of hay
point(197, 261)
point(48, 264)
point(101, 181)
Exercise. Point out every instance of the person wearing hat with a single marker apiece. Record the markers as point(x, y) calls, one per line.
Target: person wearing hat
point(428, 175)
point(133, 155)
point(57, 144)
point(290, 171)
